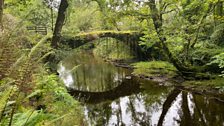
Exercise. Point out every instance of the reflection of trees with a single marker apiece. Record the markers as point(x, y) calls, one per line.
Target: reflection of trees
point(94, 75)
point(186, 117)
point(137, 114)
point(195, 110)
point(167, 104)
point(99, 114)
point(197, 113)
point(150, 101)
point(208, 111)
point(84, 75)
point(205, 111)
point(137, 117)
point(119, 113)
point(154, 92)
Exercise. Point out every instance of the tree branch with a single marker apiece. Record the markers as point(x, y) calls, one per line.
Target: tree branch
point(200, 25)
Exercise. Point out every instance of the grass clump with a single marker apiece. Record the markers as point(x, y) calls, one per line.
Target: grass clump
point(154, 68)
point(208, 85)
point(215, 83)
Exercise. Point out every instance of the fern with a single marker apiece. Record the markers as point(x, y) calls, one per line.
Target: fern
point(25, 85)
point(36, 48)
point(4, 98)
point(218, 59)
point(31, 118)
point(217, 36)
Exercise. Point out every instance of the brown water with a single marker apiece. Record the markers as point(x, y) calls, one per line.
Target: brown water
point(111, 97)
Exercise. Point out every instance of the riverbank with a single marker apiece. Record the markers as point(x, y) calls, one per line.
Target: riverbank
point(165, 74)
point(214, 86)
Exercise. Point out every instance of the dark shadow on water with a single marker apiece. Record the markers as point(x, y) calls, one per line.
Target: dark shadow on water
point(126, 88)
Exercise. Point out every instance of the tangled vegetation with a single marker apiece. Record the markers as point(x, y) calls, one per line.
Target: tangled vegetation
point(30, 95)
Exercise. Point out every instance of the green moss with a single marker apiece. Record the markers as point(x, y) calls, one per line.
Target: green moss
point(154, 68)
point(215, 83)
point(105, 32)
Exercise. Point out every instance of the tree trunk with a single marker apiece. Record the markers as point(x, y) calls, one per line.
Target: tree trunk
point(1, 14)
point(189, 72)
point(157, 21)
point(59, 23)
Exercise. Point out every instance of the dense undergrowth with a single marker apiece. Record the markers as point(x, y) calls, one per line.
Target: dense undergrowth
point(29, 94)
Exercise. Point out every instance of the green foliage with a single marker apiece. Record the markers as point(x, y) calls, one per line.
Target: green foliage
point(31, 118)
point(203, 54)
point(5, 98)
point(150, 36)
point(113, 49)
point(97, 15)
point(193, 9)
point(219, 59)
point(28, 94)
point(217, 36)
point(53, 94)
point(82, 17)
point(154, 68)
point(156, 94)
point(33, 12)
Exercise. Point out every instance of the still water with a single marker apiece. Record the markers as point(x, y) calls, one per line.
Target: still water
point(111, 97)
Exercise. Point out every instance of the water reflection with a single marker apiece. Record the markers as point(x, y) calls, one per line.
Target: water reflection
point(112, 100)
point(127, 87)
point(91, 73)
point(174, 108)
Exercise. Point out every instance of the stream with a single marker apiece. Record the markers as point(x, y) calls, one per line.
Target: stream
point(112, 97)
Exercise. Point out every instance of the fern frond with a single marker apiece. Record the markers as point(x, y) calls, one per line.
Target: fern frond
point(4, 98)
point(35, 48)
point(45, 55)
